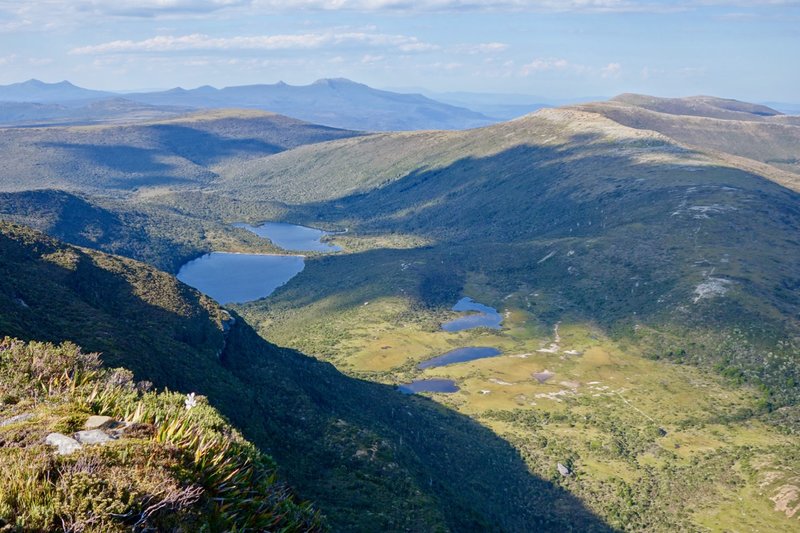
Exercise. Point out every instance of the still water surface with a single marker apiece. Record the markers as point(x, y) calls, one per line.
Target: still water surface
point(239, 278)
point(483, 317)
point(292, 237)
point(428, 385)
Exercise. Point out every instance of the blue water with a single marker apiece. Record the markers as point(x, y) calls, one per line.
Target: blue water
point(428, 385)
point(459, 355)
point(239, 278)
point(485, 316)
point(292, 237)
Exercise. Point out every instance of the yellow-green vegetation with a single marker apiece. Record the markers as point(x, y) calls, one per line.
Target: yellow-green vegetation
point(662, 247)
point(173, 465)
point(651, 444)
point(369, 457)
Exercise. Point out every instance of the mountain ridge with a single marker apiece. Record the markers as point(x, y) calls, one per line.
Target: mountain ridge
point(335, 102)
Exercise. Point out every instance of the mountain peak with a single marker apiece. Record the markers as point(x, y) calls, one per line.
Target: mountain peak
point(35, 90)
point(340, 82)
point(33, 82)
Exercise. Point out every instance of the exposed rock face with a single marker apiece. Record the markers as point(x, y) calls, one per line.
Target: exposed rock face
point(93, 436)
point(15, 419)
point(563, 470)
point(100, 422)
point(228, 321)
point(66, 445)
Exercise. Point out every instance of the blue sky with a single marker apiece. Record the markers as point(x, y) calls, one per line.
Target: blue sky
point(558, 49)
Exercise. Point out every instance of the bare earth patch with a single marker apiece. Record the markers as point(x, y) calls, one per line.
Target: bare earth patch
point(787, 499)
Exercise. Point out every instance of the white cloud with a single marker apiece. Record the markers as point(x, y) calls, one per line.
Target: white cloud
point(304, 41)
point(514, 5)
point(368, 59)
point(611, 70)
point(550, 64)
point(153, 8)
point(544, 64)
point(481, 48)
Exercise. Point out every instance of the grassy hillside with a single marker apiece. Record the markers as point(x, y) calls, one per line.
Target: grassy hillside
point(177, 152)
point(702, 106)
point(370, 457)
point(165, 465)
point(747, 130)
point(648, 254)
point(612, 204)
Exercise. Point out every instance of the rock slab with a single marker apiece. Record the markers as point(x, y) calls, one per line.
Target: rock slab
point(66, 445)
point(99, 422)
point(93, 436)
point(15, 419)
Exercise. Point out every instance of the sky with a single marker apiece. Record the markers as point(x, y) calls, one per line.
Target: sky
point(564, 49)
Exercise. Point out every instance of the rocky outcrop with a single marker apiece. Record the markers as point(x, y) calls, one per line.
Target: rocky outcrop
point(65, 445)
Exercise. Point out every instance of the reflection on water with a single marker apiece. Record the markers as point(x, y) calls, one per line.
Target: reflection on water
point(459, 355)
point(484, 317)
point(292, 237)
point(239, 278)
point(428, 385)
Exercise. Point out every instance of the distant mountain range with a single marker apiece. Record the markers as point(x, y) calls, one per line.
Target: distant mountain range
point(338, 103)
point(41, 92)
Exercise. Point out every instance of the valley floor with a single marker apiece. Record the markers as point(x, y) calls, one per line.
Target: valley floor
point(650, 444)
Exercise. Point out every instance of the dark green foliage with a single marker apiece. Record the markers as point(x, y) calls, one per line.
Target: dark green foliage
point(369, 456)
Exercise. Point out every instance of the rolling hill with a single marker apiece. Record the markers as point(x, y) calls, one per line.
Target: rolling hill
point(112, 110)
point(754, 132)
point(605, 203)
point(176, 152)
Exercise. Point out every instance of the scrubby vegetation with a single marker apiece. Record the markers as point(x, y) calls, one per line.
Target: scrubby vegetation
point(173, 466)
point(369, 457)
point(671, 270)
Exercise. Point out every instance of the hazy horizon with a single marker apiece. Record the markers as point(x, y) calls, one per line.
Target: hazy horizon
point(558, 50)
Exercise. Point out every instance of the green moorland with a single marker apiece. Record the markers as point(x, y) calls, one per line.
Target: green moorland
point(668, 264)
point(369, 457)
point(670, 271)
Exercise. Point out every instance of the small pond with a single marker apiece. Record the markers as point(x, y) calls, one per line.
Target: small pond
point(428, 385)
point(239, 278)
point(292, 237)
point(460, 355)
point(482, 317)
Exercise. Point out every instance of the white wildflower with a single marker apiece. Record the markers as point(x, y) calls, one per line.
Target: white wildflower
point(190, 401)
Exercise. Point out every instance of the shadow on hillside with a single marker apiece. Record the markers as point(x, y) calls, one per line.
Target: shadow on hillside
point(372, 458)
point(627, 231)
point(106, 304)
point(204, 148)
point(415, 459)
point(520, 193)
point(120, 157)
